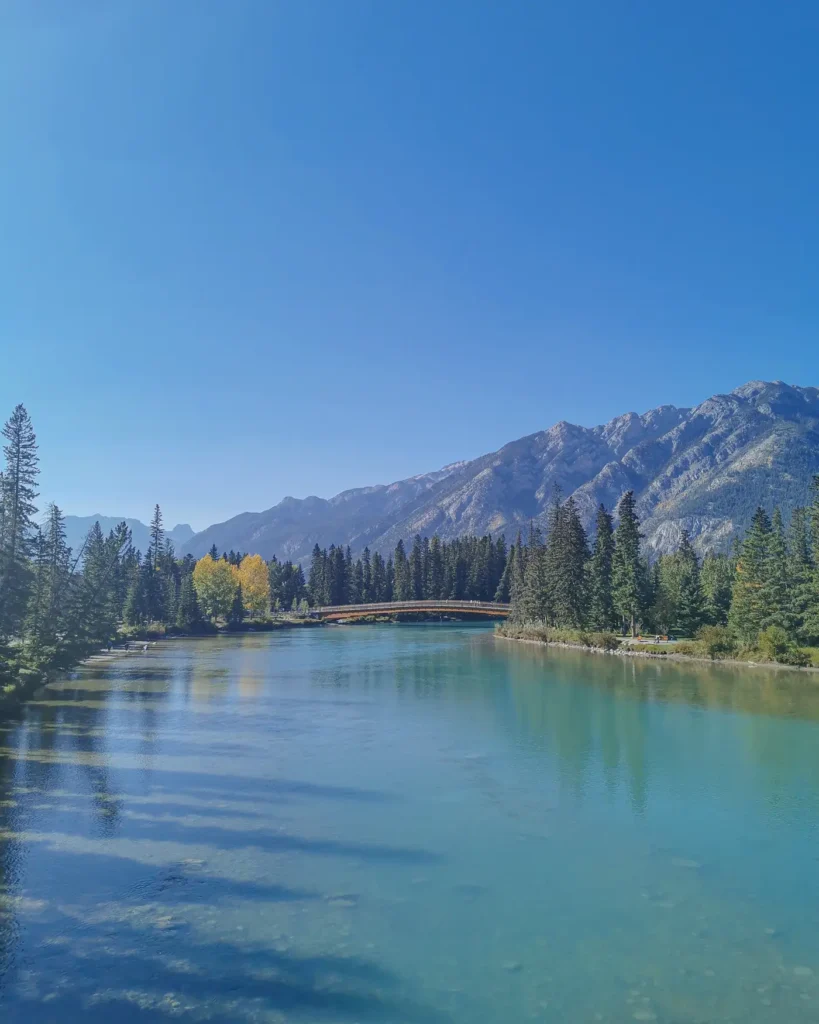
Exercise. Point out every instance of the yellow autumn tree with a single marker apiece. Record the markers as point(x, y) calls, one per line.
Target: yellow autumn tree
point(255, 581)
point(215, 583)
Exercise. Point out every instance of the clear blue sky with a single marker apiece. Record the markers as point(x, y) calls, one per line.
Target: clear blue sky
point(252, 249)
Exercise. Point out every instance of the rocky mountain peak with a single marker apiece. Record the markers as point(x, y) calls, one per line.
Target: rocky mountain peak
point(702, 469)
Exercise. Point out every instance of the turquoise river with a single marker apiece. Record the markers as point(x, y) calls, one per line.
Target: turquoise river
point(409, 824)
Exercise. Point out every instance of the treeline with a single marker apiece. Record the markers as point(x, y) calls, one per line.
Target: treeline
point(55, 606)
point(763, 596)
point(467, 569)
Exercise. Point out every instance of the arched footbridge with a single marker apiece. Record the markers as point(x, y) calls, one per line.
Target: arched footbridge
point(338, 612)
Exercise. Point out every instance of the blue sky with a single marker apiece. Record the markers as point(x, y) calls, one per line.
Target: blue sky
point(253, 249)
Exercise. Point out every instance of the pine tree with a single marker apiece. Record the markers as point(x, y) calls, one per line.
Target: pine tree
point(356, 584)
point(501, 556)
point(416, 571)
point(214, 552)
point(378, 586)
point(435, 570)
point(810, 592)
point(389, 580)
point(717, 576)
point(691, 609)
point(317, 581)
point(188, 615)
point(778, 597)
point(628, 570)
point(503, 593)
point(534, 596)
point(18, 540)
point(567, 556)
point(366, 577)
point(601, 607)
point(402, 585)
point(157, 538)
point(747, 598)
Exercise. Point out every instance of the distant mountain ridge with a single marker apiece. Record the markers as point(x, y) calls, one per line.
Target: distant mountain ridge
point(77, 527)
point(703, 469)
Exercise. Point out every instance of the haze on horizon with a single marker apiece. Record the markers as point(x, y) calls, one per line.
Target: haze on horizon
point(254, 250)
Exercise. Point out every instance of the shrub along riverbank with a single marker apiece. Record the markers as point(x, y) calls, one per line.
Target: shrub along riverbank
point(712, 643)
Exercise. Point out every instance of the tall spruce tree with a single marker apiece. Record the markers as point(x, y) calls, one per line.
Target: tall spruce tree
point(402, 585)
point(567, 554)
point(778, 596)
point(157, 538)
point(317, 582)
point(717, 577)
point(748, 609)
point(628, 569)
point(601, 606)
point(810, 595)
point(691, 608)
point(534, 597)
point(416, 570)
point(18, 539)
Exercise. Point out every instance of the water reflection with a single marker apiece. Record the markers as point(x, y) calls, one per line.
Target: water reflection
point(408, 825)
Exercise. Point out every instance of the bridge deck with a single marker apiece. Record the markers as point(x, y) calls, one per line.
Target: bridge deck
point(341, 611)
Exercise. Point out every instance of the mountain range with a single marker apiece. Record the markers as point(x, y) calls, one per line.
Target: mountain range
point(703, 469)
point(77, 527)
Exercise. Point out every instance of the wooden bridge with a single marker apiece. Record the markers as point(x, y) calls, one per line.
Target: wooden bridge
point(338, 612)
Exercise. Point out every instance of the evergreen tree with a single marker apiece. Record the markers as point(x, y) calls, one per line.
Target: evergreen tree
point(188, 615)
point(317, 581)
point(534, 596)
point(434, 585)
point(157, 538)
point(416, 571)
point(214, 552)
point(366, 592)
point(567, 556)
point(810, 591)
point(717, 576)
point(778, 595)
point(503, 593)
point(501, 554)
point(628, 570)
point(601, 606)
point(402, 585)
point(389, 580)
point(356, 584)
point(691, 610)
point(18, 539)
point(747, 597)
point(378, 586)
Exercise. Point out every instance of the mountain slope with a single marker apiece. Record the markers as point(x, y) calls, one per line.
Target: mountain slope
point(704, 469)
point(77, 527)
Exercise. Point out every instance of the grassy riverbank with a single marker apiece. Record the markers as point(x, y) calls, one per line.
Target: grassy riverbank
point(713, 644)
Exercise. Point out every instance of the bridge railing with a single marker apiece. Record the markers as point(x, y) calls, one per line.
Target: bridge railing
point(489, 606)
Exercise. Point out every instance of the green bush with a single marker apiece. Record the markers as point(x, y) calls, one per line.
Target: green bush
point(558, 635)
point(605, 641)
point(715, 641)
point(775, 644)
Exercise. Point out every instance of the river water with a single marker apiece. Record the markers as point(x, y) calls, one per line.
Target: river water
point(409, 824)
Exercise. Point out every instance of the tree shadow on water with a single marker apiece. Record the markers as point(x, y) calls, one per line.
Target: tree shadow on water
point(130, 971)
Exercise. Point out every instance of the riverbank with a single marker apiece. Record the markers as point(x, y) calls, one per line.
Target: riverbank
point(624, 651)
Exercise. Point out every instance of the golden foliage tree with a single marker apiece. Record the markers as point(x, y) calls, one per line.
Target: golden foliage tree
point(255, 581)
point(215, 582)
